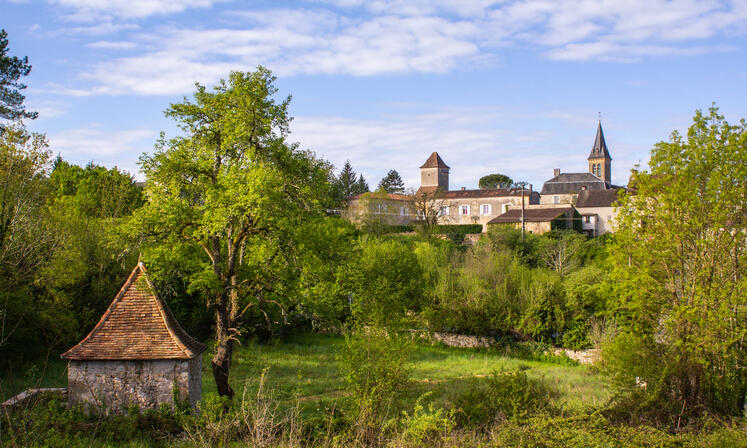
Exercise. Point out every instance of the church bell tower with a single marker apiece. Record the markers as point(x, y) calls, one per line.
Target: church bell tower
point(600, 162)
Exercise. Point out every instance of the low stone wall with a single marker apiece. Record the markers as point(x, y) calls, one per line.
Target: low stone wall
point(30, 394)
point(587, 357)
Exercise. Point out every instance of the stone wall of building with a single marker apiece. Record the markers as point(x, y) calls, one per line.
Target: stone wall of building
point(110, 386)
point(476, 215)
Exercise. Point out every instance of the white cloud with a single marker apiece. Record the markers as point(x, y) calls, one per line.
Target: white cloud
point(93, 10)
point(397, 37)
point(99, 144)
point(108, 45)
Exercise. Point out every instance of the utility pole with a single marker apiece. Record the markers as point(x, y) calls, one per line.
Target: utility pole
point(523, 227)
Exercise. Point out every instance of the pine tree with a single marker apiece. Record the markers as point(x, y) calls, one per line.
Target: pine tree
point(11, 70)
point(361, 186)
point(346, 180)
point(392, 183)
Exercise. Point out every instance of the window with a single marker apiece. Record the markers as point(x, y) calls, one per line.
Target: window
point(485, 209)
point(588, 219)
point(444, 211)
point(556, 199)
point(505, 208)
point(464, 210)
point(403, 211)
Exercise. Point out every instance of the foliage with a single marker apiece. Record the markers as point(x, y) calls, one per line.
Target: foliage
point(235, 188)
point(384, 281)
point(678, 273)
point(458, 229)
point(12, 68)
point(373, 363)
point(495, 181)
point(391, 183)
point(426, 426)
point(505, 395)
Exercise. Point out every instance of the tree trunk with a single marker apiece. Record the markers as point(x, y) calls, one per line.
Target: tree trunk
point(224, 349)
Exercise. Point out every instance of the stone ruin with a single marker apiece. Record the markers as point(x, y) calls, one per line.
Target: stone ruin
point(137, 354)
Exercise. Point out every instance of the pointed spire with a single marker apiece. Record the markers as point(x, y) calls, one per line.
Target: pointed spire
point(599, 150)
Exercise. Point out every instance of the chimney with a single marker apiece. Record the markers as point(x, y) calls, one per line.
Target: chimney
point(463, 188)
point(556, 172)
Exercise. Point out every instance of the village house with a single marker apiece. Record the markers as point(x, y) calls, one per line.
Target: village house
point(540, 218)
point(466, 206)
point(597, 211)
point(556, 207)
point(137, 354)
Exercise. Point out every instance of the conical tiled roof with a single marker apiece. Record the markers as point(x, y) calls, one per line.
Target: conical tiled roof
point(434, 161)
point(599, 150)
point(137, 326)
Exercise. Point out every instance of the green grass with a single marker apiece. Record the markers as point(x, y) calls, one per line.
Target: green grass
point(304, 370)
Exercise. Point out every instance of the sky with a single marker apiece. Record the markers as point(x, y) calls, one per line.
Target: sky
point(512, 87)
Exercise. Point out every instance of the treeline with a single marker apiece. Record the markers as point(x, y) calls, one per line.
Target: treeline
point(59, 265)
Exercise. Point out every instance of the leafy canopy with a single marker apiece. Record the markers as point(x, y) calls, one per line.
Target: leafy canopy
point(495, 181)
point(678, 269)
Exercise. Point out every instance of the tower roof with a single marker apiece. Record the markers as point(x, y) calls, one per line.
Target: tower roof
point(599, 150)
point(434, 161)
point(137, 326)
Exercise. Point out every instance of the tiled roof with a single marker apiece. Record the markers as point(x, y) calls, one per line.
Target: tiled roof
point(456, 194)
point(566, 183)
point(530, 215)
point(137, 326)
point(434, 161)
point(600, 146)
point(474, 194)
point(597, 198)
point(380, 195)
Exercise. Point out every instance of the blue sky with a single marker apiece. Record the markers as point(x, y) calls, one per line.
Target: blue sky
point(494, 86)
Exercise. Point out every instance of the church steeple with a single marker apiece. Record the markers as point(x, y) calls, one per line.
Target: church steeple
point(600, 162)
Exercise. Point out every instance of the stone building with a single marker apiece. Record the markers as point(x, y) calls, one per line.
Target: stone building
point(378, 207)
point(597, 211)
point(563, 188)
point(137, 354)
point(466, 206)
point(539, 219)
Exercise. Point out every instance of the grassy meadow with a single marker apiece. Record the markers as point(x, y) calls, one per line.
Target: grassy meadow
point(304, 371)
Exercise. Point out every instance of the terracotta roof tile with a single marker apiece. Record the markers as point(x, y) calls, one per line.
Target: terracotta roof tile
point(530, 215)
point(137, 325)
point(434, 161)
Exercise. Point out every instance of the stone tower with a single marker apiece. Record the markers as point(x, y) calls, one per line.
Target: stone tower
point(600, 162)
point(434, 173)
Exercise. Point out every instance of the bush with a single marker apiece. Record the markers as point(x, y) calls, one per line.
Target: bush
point(426, 426)
point(457, 229)
point(505, 395)
point(373, 362)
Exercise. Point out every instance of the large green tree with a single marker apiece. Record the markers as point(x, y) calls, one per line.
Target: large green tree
point(12, 68)
point(678, 261)
point(234, 187)
point(495, 181)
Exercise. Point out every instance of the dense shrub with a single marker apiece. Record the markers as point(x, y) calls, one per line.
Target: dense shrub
point(505, 395)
